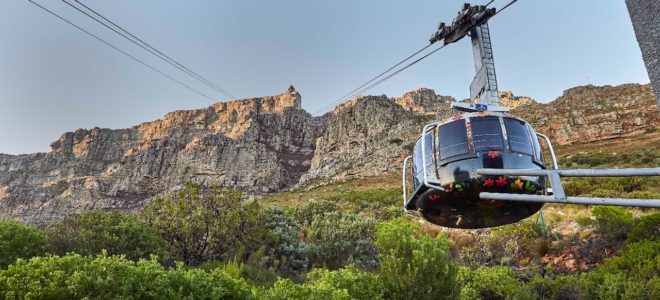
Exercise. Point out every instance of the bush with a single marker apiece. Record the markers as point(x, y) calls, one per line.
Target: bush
point(414, 267)
point(631, 275)
point(118, 233)
point(648, 228)
point(286, 289)
point(491, 283)
point(613, 222)
point(342, 238)
point(207, 223)
point(560, 287)
point(358, 285)
point(287, 254)
point(306, 214)
point(112, 277)
point(20, 241)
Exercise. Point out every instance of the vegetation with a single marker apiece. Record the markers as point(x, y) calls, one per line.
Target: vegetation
point(116, 233)
point(207, 223)
point(20, 241)
point(206, 242)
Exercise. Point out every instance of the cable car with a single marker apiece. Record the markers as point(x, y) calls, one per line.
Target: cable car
point(445, 185)
point(484, 167)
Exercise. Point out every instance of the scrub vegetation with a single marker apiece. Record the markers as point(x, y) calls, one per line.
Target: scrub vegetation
point(204, 242)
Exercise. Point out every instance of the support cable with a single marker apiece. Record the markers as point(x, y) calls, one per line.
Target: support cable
point(144, 45)
point(121, 51)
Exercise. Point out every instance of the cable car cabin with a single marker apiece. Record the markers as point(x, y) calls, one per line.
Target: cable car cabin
point(444, 162)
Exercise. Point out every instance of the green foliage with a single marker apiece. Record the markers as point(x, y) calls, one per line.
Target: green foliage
point(118, 233)
point(647, 228)
point(207, 223)
point(341, 238)
point(491, 283)
point(286, 289)
point(414, 267)
point(634, 274)
point(113, 277)
point(20, 241)
point(613, 222)
point(306, 214)
point(559, 287)
point(359, 285)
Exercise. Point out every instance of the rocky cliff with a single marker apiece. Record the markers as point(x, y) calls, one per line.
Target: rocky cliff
point(269, 144)
point(259, 146)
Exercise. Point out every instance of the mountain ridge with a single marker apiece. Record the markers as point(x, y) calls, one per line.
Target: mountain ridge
point(270, 144)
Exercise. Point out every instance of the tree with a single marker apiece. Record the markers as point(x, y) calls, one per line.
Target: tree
point(20, 241)
point(203, 223)
point(118, 233)
point(414, 267)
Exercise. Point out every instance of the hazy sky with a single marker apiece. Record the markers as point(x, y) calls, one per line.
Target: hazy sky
point(54, 78)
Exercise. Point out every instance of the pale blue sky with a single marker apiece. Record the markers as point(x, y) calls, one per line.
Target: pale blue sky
point(53, 78)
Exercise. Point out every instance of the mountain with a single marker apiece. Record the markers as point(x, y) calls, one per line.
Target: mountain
point(270, 144)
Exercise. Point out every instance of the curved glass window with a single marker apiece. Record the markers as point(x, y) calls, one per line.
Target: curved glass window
point(452, 139)
point(486, 133)
point(518, 136)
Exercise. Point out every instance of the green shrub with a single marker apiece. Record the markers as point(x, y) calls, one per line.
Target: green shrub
point(342, 238)
point(313, 210)
point(359, 285)
point(634, 274)
point(491, 283)
point(118, 233)
point(414, 267)
point(204, 223)
point(20, 241)
point(286, 289)
point(647, 228)
point(559, 287)
point(613, 222)
point(286, 254)
point(113, 277)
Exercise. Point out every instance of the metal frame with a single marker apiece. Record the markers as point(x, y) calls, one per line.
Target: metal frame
point(558, 191)
point(427, 183)
point(405, 180)
point(552, 150)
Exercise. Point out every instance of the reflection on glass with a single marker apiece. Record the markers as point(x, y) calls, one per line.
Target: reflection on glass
point(452, 139)
point(486, 133)
point(518, 136)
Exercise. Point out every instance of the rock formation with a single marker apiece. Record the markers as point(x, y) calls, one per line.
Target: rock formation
point(260, 145)
point(270, 144)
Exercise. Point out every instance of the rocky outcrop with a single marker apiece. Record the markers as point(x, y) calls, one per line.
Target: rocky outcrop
point(363, 138)
point(425, 101)
point(507, 99)
point(260, 145)
point(590, 113)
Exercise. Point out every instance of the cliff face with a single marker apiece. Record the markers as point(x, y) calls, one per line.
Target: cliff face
point(589, 113)
point(259, 146)
point(269, 144)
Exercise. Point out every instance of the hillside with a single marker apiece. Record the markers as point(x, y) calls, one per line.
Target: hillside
point(267, 145)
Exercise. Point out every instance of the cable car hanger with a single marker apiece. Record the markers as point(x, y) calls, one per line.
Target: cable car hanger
point(483, 167)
